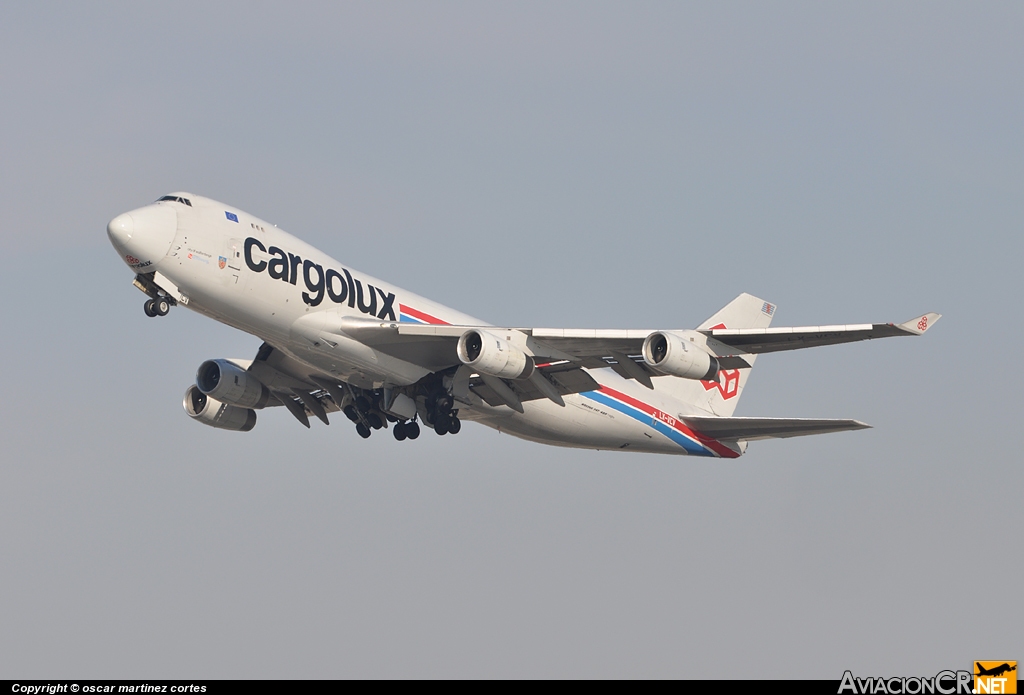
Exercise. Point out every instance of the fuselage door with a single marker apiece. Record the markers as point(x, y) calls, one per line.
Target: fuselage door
point(232, 261)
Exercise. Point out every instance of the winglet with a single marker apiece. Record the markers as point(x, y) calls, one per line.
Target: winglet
point(919, 325)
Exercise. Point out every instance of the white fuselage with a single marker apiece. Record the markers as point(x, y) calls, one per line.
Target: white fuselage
point(248, 274)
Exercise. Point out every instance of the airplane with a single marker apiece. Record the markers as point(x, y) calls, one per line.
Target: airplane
point(995, 671)
point(338, 340)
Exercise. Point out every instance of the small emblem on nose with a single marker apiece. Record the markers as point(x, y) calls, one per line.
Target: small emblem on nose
point(136, 263)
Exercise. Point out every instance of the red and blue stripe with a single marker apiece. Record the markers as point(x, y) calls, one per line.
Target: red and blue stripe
point(409, 315)
point(694, 443)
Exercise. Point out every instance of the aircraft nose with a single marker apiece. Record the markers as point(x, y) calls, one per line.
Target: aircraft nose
point(120, 229)
point(143, 237)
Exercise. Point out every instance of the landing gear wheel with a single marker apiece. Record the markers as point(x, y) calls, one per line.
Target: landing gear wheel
point(351, 414)
point(161, 306)
point(363, 430)
point(454, 425)
point(412, 429)
point(373, 419)
point(399, 431)
point(148, 308)
point(441, 424)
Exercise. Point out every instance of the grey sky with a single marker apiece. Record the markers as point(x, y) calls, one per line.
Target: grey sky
point(576, 164)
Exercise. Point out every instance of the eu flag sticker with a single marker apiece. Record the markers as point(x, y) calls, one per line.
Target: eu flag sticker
point(231, 216)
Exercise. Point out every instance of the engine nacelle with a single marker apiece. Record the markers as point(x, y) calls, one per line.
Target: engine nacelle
point(212, 412)
point(670, 354)
point(229, 383)
point(491, 355)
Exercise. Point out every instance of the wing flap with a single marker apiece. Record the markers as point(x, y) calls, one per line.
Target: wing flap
point(753, 428)
point(566, 382)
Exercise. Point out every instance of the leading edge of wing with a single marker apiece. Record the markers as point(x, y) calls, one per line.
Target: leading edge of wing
point(754, 428)
point(555, 343)
point(433, 345)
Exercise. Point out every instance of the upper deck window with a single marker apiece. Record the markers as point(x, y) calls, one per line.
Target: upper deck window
point(176, 199)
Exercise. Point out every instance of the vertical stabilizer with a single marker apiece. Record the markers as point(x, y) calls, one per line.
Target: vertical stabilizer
point(746, 311)
point(720, 398)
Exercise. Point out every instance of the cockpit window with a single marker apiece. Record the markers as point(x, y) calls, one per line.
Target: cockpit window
point(176, 199)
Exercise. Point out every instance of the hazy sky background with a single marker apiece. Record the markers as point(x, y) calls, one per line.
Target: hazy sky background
point(549, 164)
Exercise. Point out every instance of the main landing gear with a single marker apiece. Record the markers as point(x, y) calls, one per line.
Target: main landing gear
point(368, 417)
point(444, 418)
point(364, 415)
point(365, 408)
point(406, 430)
point(158, 306)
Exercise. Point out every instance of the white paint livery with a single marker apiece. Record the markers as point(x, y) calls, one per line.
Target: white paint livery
point(337, 340)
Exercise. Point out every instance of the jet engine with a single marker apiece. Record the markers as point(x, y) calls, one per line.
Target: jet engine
point(229, 383)
point(212, 412)
point(670, 354)
point(491, 355)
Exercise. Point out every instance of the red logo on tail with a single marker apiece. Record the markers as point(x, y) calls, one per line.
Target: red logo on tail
point(728, 383)
point(922, 325)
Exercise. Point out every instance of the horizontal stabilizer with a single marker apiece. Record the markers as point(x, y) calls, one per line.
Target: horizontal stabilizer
point(753, 428)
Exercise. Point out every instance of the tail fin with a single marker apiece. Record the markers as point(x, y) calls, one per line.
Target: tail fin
point(721, 397)
point(746, 311)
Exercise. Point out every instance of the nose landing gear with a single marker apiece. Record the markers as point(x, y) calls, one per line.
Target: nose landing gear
point(159, 302)
point(158, 306)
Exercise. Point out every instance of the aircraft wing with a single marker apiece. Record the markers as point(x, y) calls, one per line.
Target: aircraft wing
point(433, 346)
point(758, 340)
point(599, 347)
point(753, 428)
point(586, 347)
point(562, 355)
point(557, 343)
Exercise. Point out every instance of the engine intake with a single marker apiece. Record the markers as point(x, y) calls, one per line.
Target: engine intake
point(229, 383)
point(214, 413)
point(494, 356)
point(670, 354)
